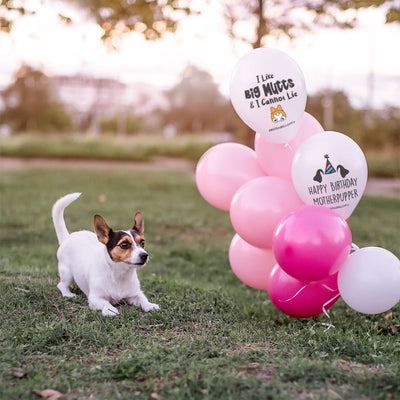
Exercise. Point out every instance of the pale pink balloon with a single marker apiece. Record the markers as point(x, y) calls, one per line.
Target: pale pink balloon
point(223, 169)
point(312, 243)
point(276, 158)
point(259, 205)
point(250, 264)
point(301, 299)
point(369, 280)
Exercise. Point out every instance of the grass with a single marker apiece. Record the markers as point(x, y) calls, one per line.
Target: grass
point(213, 338)
point(385, 164)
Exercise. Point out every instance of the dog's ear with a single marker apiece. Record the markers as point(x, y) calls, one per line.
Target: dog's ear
point(102, 229)
point(139, 223)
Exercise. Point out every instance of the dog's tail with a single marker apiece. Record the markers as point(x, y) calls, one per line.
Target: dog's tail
point(58, 215)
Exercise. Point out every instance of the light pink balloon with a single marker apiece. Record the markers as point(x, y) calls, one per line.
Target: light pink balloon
point(312, 243)
point(223, 169)
point(276, 158)
point(250, 264)
point(259, 205)
point(301, 299)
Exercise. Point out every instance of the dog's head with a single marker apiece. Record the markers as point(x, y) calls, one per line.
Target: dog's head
point(123, 246)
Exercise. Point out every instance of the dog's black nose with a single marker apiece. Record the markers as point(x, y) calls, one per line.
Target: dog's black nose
point(144, 257)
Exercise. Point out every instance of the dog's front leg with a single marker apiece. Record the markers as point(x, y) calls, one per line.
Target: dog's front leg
point(140, 300)
point(107, 309)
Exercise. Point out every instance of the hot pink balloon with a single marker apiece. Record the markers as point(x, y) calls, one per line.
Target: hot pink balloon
point(276, 158)
point(250, 264)
point(312, 243)
point(301, 299)
point(223, 169)
point(259, 205)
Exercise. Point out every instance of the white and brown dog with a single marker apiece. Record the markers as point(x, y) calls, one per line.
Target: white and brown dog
point(104, 264)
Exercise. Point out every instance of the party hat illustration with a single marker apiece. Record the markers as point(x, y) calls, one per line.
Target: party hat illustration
point(329, 167)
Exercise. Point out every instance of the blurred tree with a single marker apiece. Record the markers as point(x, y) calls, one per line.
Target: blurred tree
point(344, 116)
point(377, 130)
point(29, 103)
point(195, 103)
point(290, 18)
point(152, 18)
point(9, 11)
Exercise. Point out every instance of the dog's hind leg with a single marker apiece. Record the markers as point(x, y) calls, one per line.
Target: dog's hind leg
point(66, 279)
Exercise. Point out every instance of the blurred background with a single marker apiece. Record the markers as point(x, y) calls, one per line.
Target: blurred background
point(78, 77)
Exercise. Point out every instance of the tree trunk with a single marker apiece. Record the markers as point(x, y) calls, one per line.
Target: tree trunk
point(261, 23)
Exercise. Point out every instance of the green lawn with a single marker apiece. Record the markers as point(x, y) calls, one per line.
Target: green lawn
point(213, 338)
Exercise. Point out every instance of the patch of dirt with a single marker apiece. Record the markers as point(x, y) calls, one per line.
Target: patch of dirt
point(383, 187)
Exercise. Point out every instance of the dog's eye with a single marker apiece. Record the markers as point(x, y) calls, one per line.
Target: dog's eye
point(142, 243)
point(125, 245)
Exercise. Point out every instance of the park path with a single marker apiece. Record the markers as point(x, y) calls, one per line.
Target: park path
point(376, 186)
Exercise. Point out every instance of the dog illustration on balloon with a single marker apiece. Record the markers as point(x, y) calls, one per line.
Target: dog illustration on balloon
point(277, 114)
point(329, 169)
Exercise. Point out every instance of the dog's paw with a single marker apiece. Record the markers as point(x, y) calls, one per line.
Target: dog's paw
point(70, 295)
point(150, 306)
point(109, 311)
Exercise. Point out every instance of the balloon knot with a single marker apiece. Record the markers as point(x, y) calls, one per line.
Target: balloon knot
point(288, 146)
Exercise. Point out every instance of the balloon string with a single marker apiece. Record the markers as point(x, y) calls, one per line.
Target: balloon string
point(329, 301)
point(296, 294)
point(329, 288)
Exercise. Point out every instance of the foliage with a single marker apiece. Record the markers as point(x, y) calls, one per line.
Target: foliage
point(371, 129)
point(126, 124)
point(9, 11)
point(281, 17)
point(30, 105)
point(213, 338)
point(152, 18)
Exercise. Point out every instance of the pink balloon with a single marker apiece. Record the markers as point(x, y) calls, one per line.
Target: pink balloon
point(250, 264)
point(259, 205)
point(223, 169)
point(301, 299)
point(312, 243)
point(276, 158)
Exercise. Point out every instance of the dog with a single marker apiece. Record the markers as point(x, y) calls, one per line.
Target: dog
point(103, 264)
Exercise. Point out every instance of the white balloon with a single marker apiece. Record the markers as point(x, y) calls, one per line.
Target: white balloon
point(369, 280)
point(269, 94)
point(329, 169)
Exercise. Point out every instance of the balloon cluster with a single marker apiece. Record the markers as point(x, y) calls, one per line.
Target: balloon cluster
point(290, 198)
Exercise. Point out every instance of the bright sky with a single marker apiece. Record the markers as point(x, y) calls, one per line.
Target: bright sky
point(328, 58)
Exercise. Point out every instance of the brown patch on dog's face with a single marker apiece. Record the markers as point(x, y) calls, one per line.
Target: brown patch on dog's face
point(121, 247)
point(139, 240)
